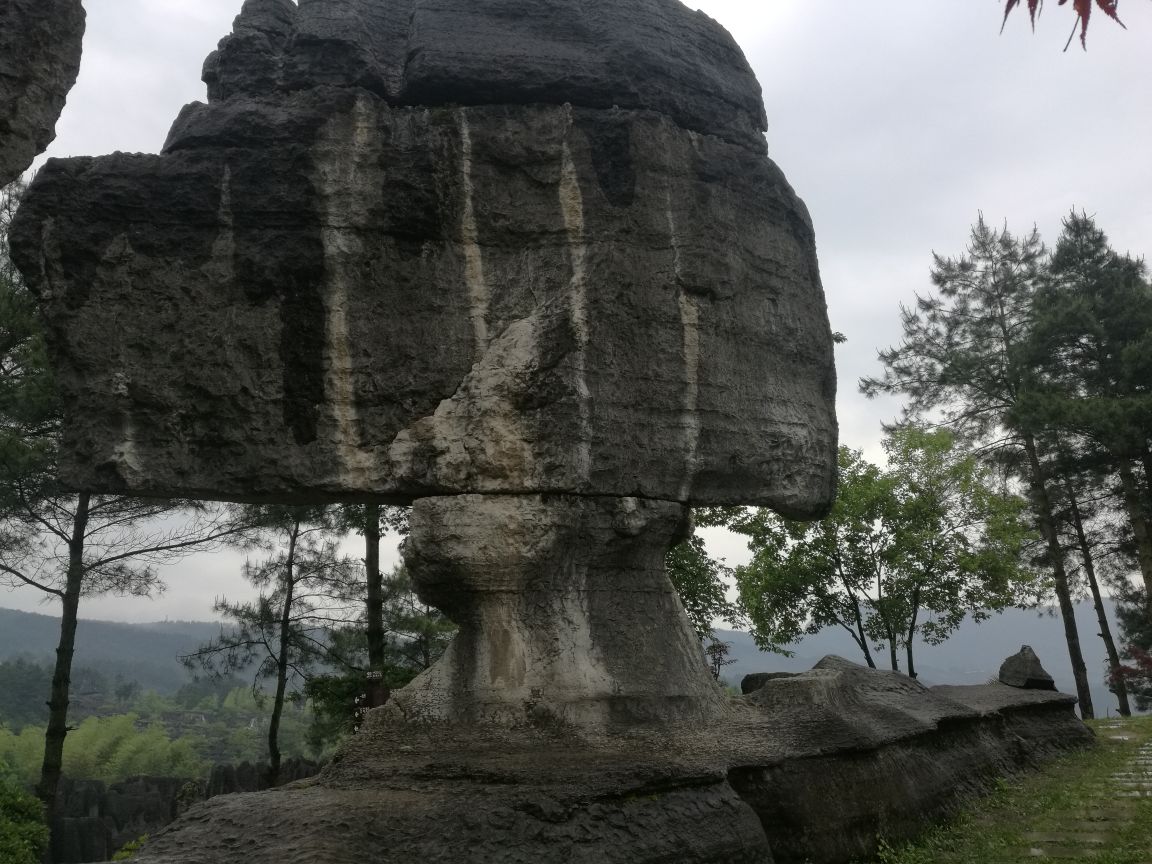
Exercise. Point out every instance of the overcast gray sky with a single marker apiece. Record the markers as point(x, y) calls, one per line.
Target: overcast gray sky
point(896, 121)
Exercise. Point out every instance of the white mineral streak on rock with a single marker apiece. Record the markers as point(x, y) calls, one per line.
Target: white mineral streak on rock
point(572, 206)
point(124, 454)
point(343, 164)
point(478, 294)
point(690, 327)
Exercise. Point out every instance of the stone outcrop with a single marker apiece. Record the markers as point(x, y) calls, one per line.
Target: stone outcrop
point(524, 263)
point(756, 680)
point(867, 754)
point(40, 43)
point(810, 768)
point(566, 615)
point(440, 247)
point(94, 819)
point(228, 779)
point(1023, 669)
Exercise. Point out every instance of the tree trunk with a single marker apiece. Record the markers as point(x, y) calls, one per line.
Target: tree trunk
point(62, 674)
point(1146, 461)
point(1116, 679)
point(282, 659)
point(912, 630)
point(1138, 519)
point(375, 587)
point(889, 630)
point(860, 637)
point(1042, 506)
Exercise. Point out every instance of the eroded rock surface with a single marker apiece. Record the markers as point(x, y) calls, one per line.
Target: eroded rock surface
point(439, 247)
point(40, 43)
point(566, 614)
point(811, 768)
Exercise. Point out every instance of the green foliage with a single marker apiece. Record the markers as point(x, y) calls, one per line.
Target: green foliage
point(128, 851)
point(21, 754)
point(905, 552)
point(23, 834)
point(700, 580)
point(104, 748)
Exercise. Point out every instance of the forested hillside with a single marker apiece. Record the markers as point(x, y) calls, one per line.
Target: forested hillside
point(144, 653)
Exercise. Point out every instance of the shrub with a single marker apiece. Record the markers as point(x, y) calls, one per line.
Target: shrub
point(23, 834)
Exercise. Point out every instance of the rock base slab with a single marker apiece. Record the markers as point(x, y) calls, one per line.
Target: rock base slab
point(773, 782)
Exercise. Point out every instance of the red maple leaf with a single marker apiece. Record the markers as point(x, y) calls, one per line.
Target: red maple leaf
point(1083, 9)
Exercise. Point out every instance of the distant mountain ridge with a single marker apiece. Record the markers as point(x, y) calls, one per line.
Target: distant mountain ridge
point(146, 653)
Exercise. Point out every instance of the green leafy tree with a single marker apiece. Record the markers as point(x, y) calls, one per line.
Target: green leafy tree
point(965, 362)
point(905, 552)
point(959, 542)
point(700, 580)
point(806, 576)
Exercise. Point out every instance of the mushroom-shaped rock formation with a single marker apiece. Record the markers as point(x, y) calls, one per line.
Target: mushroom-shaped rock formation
point(523, 262)
point(40, 43)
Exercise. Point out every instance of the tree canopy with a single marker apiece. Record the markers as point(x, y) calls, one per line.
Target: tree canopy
point(906, 552)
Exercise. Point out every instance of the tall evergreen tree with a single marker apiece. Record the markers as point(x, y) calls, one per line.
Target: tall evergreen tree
point(965, 362)
point(1092, 342)
point(306, 586)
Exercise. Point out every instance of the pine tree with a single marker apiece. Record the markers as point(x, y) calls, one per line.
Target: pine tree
point(965, 363)
point(306, 586)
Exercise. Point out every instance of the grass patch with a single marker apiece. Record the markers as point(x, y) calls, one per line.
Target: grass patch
point(1070, 810)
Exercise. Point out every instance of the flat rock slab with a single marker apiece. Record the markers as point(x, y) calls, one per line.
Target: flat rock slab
point(40, 45)
point(758, 786)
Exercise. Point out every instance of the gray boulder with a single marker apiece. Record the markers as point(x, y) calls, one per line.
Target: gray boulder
point(1023, 669)
point(40, 44)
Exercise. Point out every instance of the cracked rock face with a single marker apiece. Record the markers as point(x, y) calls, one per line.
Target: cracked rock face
point(40, 42)
point(434, 247)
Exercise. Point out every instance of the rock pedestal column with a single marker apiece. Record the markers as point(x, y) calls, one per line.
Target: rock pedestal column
point(566, 614)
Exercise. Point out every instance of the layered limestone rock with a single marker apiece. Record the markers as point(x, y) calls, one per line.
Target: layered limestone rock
point(431, 248)
point(811, 768)
point(40, 43)
point(530, 255)
point(526, 264)
point(566, 614)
